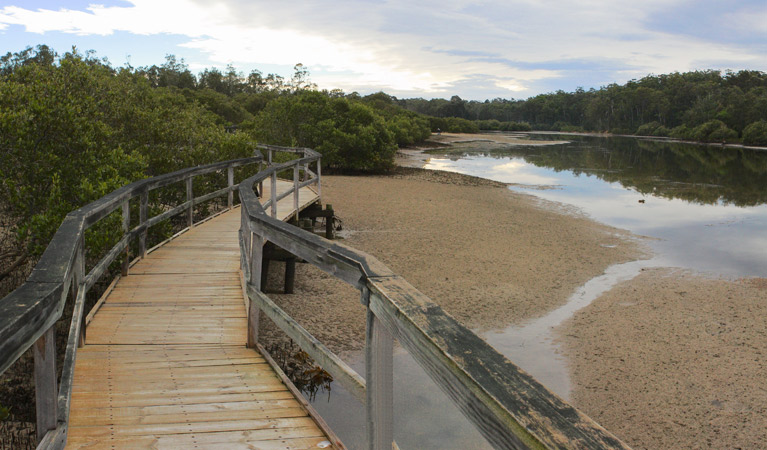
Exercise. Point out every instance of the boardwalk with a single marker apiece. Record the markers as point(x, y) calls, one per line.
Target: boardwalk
point(165, 363)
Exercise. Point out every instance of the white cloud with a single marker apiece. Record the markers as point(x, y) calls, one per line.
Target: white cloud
point(404, 46)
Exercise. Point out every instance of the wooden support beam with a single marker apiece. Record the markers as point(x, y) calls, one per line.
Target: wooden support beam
point(256, 258)
point(329, 222)
point(126, 228)
point(264, 276)
point(290, 275)
point(190, 200)
point(46, 393)
point(230, 183)
point(273, 191)
point(295, 189)
point(379, 363)
point(78, 282)
point(143, 210)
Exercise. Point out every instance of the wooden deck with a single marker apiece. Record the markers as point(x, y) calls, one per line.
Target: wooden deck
point(165, 363)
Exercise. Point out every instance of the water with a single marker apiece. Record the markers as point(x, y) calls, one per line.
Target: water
point(704, 206)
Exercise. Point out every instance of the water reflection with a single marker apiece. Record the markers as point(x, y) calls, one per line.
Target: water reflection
point(701, 174)
point(707, 205)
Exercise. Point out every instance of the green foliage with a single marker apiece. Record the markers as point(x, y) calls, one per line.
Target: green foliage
point(515, 126)
point(75, 129)
point(692, 99)
point(227, 110)
point(349, 134)
point(490, 125)
point(452, 125)
point(648, 129)
point(756, 133)
point(681, 132)
point(713, 131)
point(4, 413)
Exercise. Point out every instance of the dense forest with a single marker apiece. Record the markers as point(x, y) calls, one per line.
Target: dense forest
point(73, 128)
point(702, 106)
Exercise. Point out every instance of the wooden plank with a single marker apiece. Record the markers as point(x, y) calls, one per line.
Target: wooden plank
point(124, 400)
point(196, 427)
point(268, 439)
point(184, 332)
point(121, 417)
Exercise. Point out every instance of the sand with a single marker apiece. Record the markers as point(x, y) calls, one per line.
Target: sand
point(488, 256)
point(668, 360)
point(675, 360)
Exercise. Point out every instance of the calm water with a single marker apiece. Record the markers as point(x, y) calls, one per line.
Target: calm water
point(705, 207)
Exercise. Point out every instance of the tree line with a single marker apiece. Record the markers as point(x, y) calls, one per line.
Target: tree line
point(708, 106)
point(73, 128)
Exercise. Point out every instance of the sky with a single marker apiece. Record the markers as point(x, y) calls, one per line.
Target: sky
point(409, 48)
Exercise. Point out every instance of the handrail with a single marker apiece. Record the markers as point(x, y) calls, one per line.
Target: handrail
point(28, 314)
point(509, 407)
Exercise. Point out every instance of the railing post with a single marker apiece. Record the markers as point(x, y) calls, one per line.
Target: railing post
point(46, 393)
point(79, 285)
point(379, 362)
point(295, 189)
point(230, 182)
point(143, 209)
point(274, 193)
point(256, 256)
point(260, 192)
point(319, 177)
point(126, 228)
point(246, 235)
point(190, 200)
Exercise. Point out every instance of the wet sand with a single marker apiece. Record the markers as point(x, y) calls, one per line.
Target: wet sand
point(675, 360)
point(488, 256)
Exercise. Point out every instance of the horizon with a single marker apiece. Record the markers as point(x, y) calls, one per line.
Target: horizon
point(475, 51)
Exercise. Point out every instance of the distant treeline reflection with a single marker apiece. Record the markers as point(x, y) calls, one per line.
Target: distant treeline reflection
point(695, 173)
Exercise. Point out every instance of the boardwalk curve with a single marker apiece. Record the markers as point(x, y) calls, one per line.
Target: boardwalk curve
point(165, 363)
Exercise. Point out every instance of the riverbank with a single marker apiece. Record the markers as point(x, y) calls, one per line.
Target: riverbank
point(670, 359)
point(488, 256)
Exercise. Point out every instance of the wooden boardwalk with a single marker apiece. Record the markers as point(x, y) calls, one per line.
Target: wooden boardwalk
point(165, 363)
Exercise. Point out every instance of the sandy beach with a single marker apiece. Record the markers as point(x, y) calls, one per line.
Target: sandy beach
point(670, 359)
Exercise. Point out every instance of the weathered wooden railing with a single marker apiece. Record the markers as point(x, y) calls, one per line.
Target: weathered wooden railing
point(509, 407)
point(28, 315)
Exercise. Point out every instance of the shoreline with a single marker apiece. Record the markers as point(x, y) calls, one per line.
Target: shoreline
point(414, 221)
point(643, 379)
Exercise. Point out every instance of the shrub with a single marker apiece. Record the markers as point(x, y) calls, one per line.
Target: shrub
point(713, 131)
point(681, 132)
point(755, 133)
point(348, 133)
point(648, 129)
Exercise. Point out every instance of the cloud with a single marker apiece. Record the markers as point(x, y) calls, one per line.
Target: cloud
point(428, 47)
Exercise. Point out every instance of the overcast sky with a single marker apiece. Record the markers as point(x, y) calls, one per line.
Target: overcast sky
point(409, 48)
